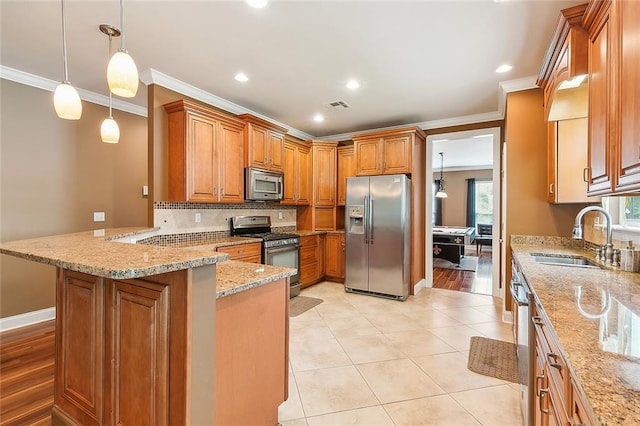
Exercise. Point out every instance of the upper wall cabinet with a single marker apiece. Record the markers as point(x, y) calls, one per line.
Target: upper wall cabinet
point(614, 90)
point(564, 68)
point(205, 154)
point(264, 144)
point(386, 152)
point(297, 173)
point(346, 169)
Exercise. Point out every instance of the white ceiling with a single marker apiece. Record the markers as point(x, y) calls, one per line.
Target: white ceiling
point(417, 61)
point(463, 154)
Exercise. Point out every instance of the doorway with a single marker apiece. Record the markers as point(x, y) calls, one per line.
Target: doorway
point(470, 157)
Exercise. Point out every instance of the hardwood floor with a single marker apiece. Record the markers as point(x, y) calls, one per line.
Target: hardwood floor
point(472, 282)
point(26, 374)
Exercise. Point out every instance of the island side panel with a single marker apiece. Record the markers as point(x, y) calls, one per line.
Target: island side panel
point(251, 354)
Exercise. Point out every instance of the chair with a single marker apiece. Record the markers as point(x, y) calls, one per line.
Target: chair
point(483, 237)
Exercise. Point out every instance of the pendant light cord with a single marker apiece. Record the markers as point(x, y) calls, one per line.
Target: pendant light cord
point(108, 57)
point(64, 45)
point(122, 25)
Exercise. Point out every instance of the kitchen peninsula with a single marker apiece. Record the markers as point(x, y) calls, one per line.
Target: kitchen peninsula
point(150, 335)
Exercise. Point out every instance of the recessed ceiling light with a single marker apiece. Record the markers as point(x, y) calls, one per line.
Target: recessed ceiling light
point(241, 77)
point(258, 4)
point(318, 118)
point(352, 84)
point(504, 68)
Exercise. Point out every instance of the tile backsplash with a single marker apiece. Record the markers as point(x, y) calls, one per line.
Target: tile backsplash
point(175, 217)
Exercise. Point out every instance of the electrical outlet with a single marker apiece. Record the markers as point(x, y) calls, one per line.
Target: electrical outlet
point(98, 217)
point(198, 218)
point(280, 215)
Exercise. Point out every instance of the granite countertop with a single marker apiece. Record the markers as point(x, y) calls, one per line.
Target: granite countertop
point(599, 331)
point(234, 277)
point(304, 233)
point(96, 253)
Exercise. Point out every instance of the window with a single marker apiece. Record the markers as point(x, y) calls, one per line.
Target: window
point(629, 213)
point(484, 202)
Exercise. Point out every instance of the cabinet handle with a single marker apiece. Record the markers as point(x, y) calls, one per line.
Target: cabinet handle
point(539, 380)
point(551, 356)
point(537, 321)
point(550, 188)
point(221, 192)
point(215, 191)
point(585, 174)
point(543, 392)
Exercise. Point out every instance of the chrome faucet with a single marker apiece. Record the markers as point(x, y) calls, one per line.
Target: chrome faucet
point(577, 230)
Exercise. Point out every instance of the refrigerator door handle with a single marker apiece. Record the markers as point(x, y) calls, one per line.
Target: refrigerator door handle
point(366, 219)
point(371, 220)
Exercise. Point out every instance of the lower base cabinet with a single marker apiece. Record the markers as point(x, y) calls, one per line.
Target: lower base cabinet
point(334, 253)
point(250, 252)
point(312, 259)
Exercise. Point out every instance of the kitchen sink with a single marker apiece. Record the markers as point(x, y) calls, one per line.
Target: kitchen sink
point(575, 261)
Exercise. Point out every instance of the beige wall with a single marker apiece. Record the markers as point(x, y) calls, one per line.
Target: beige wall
point(454, 208)
point(528, 212)
point(54, 174)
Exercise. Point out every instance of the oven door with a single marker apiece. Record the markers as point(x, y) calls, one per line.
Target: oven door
point(287, 256)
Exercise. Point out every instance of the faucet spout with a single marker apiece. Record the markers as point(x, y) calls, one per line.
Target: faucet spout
point(577, 226)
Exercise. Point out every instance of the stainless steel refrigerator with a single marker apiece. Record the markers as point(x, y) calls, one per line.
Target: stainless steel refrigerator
point(377, 228)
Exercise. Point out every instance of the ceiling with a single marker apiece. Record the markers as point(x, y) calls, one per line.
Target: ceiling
point(469, 153)
point(417, 61)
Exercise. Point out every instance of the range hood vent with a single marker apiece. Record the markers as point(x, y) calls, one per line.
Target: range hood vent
point(338, 105)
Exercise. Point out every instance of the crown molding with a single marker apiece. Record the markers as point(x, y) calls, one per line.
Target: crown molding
point(516, 85)
point(43, 83)
point(153, 76)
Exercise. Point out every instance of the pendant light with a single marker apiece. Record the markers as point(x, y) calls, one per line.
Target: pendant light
point(441, 193)
point(66, 100)
point(122, 73)
point(109, 131)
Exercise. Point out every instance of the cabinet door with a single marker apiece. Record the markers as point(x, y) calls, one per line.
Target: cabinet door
point(346, 168)
point(397, 155)
point(138, 382)
point(201, 159)
point(551, 161)
point(230, 164)
point(258, 147)
point(324, 170)
point(334, 250)
point(276, 152)
point(628, 65)
point(571, 161)
point(250, 252)
point(291, 174)
point(600, 126)
point(304, 171)
point(322, 267)
point(368, 157)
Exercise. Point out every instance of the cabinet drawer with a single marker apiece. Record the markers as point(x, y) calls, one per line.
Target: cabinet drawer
point(308, 272)
point(240, 251)
point(309, 241)
point(308, 255)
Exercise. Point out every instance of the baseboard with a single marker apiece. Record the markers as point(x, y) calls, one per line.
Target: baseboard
point(28, 318)
point(418, 287)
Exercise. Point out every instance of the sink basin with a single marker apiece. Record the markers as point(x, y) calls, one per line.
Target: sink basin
point(575, 261)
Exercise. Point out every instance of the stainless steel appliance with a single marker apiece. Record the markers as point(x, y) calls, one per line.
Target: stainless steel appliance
point(261, 185)
point(523, 335)
point(278, 249)
point(377, 222)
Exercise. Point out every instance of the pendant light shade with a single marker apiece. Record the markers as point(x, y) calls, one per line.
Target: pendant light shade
point(122, 73)
point(66, 102)
point(109, 131)
point(441, 193)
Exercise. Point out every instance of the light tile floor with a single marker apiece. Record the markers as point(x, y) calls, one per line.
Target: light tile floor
point(362, 360)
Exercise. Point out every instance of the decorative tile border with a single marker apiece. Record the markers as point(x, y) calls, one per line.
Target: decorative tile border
point(171, 205)
point(189, 239)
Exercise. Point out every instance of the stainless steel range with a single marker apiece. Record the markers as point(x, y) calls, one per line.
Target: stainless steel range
point(278, 249)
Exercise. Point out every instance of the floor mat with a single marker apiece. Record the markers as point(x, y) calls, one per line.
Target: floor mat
point(467, 263)
point(301, 304)
point(494, 358)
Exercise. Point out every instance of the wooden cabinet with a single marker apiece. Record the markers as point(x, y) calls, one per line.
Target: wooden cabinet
point(567, 162)
point(565, 59)
point(334, 254)
point(311, 259)
point(321, 213)
point(614, 87)
point(250, 252)
point(386, 152)
point(205, 154)
point(346, 168)
point(298, 170)
point(264, 144)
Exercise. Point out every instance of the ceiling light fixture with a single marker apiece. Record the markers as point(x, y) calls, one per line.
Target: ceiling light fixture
point(504, 68)
point(122, 73)
point(66, 100)
point(109, 130)
point(242, 77)
point(352, 84)
point(318, 118)
point(258, 4)
point(441, 193)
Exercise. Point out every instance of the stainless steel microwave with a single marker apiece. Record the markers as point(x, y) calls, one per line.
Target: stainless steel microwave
point(261, 185)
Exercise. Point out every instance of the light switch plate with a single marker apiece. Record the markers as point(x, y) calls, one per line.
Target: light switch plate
point(98, 216)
